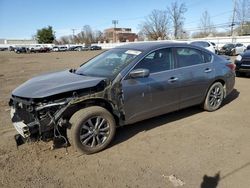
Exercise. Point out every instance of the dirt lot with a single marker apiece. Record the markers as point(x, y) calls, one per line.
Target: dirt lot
point(190, 147)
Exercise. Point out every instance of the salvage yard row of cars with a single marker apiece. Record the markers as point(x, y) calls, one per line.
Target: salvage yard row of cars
point(41, 48)
point(230, 49)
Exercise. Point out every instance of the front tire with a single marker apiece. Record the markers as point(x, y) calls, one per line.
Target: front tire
point(214, 97)
point(93, 128)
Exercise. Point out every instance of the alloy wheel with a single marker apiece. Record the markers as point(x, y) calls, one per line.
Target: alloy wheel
point(94, 132)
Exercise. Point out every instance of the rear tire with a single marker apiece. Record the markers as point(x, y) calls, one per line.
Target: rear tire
point(214, 97)
point(93, 128)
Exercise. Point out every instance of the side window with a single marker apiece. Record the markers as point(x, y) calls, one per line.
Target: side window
point(206, 57)
point(188, 57)
point(157, 61)
point(207, 44)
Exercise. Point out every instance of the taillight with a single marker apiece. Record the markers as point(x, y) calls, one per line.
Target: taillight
point(232, 66)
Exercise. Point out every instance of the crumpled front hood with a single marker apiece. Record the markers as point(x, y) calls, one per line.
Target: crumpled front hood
point(54, 83)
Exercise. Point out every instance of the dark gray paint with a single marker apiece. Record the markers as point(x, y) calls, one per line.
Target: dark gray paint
point(141, 98)
point(54, 83)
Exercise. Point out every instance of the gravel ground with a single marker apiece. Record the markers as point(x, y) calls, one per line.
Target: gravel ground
point(189, 148)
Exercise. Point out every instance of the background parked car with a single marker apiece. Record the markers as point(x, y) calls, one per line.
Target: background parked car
point(11, 48)
point(19, 50)
point(242, 63)
point(75, 48)
point(232, 49)
point(205, 44)
point(59, 48)
point(248, 47)
point(86, 48)
point(36, 48)
point(45, 49)
point(3, 48)
point(215, 47)
point(95, 48)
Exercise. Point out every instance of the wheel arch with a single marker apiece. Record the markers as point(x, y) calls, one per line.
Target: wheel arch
point(92, 102)
point(222, 81)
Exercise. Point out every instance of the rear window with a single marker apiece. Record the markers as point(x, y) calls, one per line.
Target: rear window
point(188, 57)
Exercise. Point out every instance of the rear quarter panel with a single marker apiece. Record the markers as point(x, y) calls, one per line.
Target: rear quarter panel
point(222, 72)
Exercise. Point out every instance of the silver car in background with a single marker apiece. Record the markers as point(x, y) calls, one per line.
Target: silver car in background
point(121, 86)
point(205, 44)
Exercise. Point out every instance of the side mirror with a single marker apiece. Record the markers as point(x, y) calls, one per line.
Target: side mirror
point(139, 73)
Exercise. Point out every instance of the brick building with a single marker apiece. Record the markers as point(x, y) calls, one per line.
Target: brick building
point(119, 34)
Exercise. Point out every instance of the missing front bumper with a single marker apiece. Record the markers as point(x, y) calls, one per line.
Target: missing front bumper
point(21, 127)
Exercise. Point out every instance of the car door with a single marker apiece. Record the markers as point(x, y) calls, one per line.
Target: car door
point(153, 95)
point(197, 72)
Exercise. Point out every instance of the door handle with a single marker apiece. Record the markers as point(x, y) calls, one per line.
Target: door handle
point(208, 70)
point(173, 79)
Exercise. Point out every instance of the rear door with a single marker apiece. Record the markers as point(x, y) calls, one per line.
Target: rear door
point(156, 94)
point(197, 72)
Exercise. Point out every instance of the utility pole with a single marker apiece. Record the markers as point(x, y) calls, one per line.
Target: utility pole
point(114, 22)
point(233, 24)
point(73, 31)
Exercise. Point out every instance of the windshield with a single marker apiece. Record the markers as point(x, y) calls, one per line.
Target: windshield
point(108, 64)
point(229, 46)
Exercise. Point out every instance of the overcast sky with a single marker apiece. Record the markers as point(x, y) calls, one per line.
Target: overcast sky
point(19, 19)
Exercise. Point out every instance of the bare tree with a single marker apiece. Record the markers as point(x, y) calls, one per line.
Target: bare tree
point(88, 33)
point(176, 13)
point(98, 36)
point(243, 16)
point(64, 40)
point(155, 25)
point(206, 25)
point(87, 36)
point(141, 36)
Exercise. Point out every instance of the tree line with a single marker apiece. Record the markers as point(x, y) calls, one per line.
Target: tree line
point(164, 24)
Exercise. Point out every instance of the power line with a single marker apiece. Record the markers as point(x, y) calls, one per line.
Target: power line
point(232, 25)
point(216, 26)
point(216, 15)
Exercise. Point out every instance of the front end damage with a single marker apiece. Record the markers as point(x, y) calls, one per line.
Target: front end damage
point(37, 121)
point(48, 118)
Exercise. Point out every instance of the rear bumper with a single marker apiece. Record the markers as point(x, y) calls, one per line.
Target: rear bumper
point(230, 83)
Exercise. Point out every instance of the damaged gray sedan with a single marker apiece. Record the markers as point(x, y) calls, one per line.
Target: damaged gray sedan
point(121, 86)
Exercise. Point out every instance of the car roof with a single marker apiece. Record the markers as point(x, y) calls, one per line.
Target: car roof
point(198, 41)
point(147, 46)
